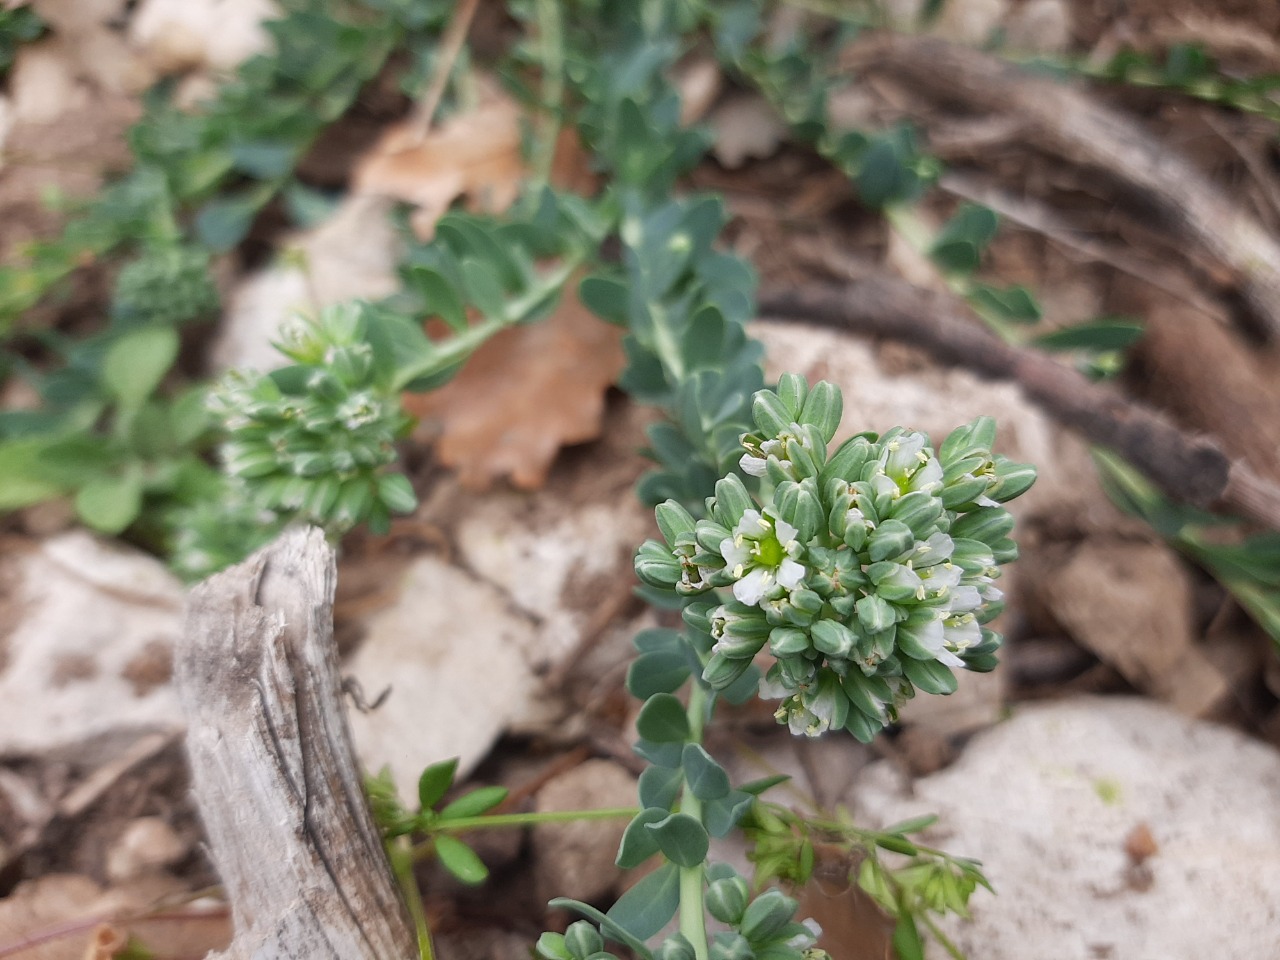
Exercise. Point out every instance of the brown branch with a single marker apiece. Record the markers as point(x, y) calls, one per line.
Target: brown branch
point(1063, 120)
point(1192, 470)
point(273, 767)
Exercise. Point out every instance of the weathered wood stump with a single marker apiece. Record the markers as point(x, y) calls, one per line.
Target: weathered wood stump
point(273, 767)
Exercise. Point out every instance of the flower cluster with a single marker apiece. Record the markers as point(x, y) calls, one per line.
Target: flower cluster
point(315, 437)
point(169, 284)
point(866, 573)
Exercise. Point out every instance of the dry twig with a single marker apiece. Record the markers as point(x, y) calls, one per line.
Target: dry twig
point(1065, 121)
point(1192, 470)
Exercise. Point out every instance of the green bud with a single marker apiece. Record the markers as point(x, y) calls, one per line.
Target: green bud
point(1004, 551)
point(771, 414)
point(731, 946)
point(323, 384)
point(250, 462)
point(848, 460)
point(698, 616)
point(833, 638)
point(1012, 480)
point(806, 600)
point(919, 511)
point(675, 947)
point(891, 540)
point(767, 915)
point(806, 461)
point(731, 501)
point(986, 524)
point(354, 501)
point(656, 565)
point(823, 408)
point(976, 436)
point(582, 939)
point(351, 364)
point(808, 513)
point(710, 534)
point(320, 500)
point(721, 671)
point(962, 491)
point(727, 899)
point(791, 391)
point(739, 646)
point(876, 613)
point(863, 695)
point(787, 641)
point(674, 521)
point(551, 946)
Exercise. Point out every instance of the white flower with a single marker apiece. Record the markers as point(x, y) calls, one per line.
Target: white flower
point(760, 556)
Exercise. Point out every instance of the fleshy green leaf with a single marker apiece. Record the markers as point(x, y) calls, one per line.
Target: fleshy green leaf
point(638, 842)
point(682, 839)
point(435, 782)
point(460, 860)
point(648, 906)
point(662, 720)
point(474, 803)
point(706, 778)
point(109, 504)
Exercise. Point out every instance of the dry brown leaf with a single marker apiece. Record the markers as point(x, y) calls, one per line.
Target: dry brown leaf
point(475, 155)
point(525, 394)
point(105, 942)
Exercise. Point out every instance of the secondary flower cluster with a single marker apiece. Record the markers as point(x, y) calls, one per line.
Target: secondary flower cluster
point(865, 573)
point(315, 437)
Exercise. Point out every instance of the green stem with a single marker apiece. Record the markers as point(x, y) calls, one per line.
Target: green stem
point(452, 352)
point(402, 858)
point(551, 41)
point(693, 912)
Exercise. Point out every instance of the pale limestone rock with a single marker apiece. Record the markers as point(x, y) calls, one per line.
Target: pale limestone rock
point(1050, 800)
point(91, 649)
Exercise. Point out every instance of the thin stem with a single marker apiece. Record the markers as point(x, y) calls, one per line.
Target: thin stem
point(401, 856)
point(551, 42)
point(693, 913)
point(451, 44)
point(941, 937)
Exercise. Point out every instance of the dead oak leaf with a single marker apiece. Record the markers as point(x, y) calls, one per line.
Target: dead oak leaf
point(523, 395)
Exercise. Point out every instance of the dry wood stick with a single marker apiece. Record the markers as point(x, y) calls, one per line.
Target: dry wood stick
point(273, 769)
point(1192, 470)
point(1063, 120)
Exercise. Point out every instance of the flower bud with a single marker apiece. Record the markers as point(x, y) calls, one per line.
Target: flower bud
point(674, 521)
point(721, 671)
point(919, 511)
point(675, 947)
point(1012, 480)
point(976, 436)
point(987, 525)
point(875, 613)
point(731, 501)
point(771, 414)
point(848, 460)
point(787, 641)
point(656, 565)
point(727, 899)
point(767, 915)
point(582, 939)
point(823, 408)
point(791, 392)
point(833, 638)
point(890, 541)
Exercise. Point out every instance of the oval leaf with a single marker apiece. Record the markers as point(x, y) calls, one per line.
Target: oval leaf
point(435, 780)
point(135, 364)
point(460, 860)
point(662, 720)
point(681, 838)
point(648, 906)
point(474, 803)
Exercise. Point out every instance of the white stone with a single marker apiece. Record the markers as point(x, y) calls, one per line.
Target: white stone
point(89, 654)
point(457, 658)
point(185, 34)
point(1047, 801)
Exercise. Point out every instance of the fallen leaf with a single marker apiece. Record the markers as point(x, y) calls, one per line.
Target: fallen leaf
point(747, 128)
point(523, 395)
point(476, 155)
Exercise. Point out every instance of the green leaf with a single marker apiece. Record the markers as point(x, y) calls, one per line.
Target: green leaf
point(225, 221)
point(460, 860)
point(682, 839)
point(109, 504)
point(914, 825)
point(659, 672)
point(659, 786)
point(722, 815)
point(896, 844)
point(662, 720)
point(24, 476)
point(929, 675)
point(906, 939)
point(1107, 334)
point(435, 782)
point(484, 287)
point(136, 362)
point(706, 778)
point(474, 803)
point(758, 787)
point(638, 842)
point(438, 295)
point(648, 906)
point(962, 240)
point(1014, 304)
point(264, 159)
point(606, 297)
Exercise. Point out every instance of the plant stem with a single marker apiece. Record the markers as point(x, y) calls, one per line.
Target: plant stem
point(551, 45)
point(693, 913)
point(402, 858)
